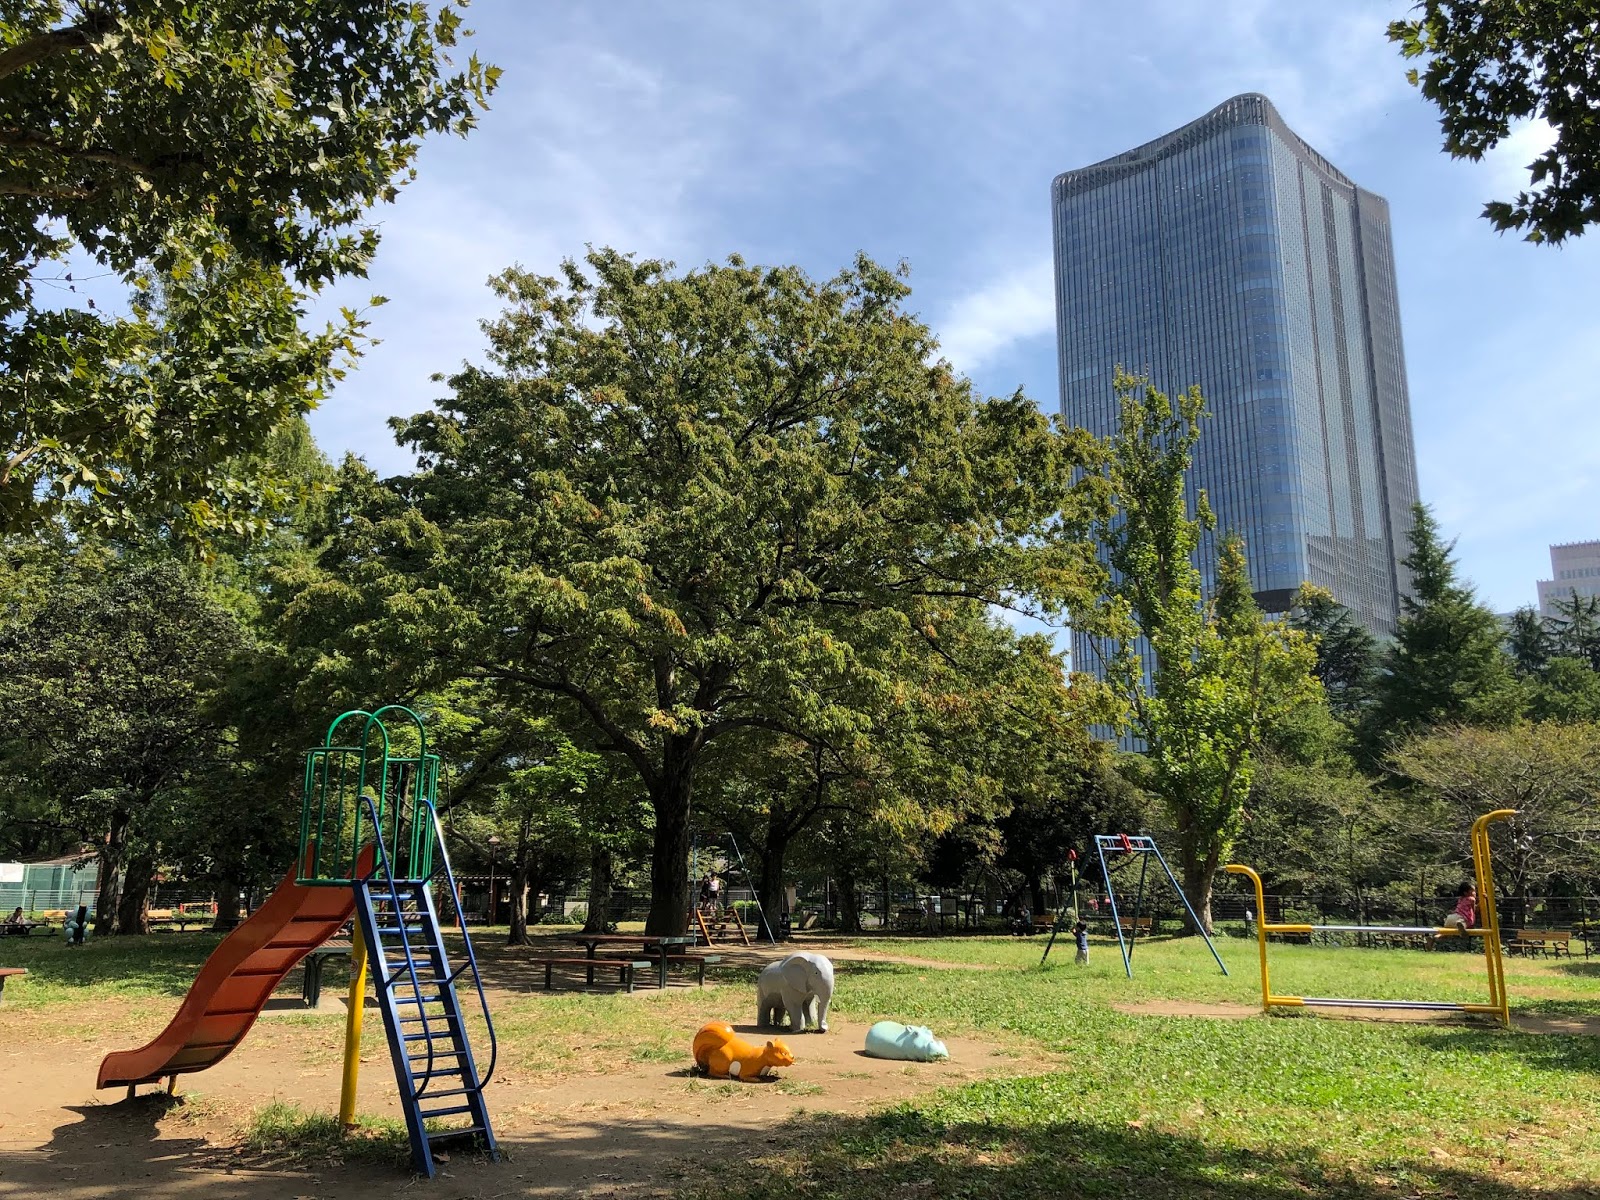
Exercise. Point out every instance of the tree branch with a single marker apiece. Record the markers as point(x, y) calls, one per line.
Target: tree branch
point(57, 41)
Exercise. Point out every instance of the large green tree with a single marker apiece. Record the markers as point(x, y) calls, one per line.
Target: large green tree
point(1347, 655)
point(1548, 772)
point(211, 164)
point(1487, 64)
point(1446, 662)
point(674, 507)
point(109, 708)
point(1218, 674)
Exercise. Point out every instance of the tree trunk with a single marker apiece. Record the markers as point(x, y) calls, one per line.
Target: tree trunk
point(1199, 871)
point(227, 904)
point(669, 858)
point(599, 889)
point(518, 934)
point(1036, 893)
point(769, 884)
point(112, 871)
point(847, 901)
point(132, 912)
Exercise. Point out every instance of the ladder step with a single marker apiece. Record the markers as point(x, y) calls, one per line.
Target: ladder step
point(440, 1134)
point(426, 1115)
point(452, 1092)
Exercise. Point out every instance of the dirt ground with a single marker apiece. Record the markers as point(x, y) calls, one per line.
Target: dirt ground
point(627, 1129)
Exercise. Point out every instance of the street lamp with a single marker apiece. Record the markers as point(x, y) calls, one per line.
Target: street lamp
point(494, 849)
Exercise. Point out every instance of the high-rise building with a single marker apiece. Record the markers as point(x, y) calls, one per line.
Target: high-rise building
point(1232, 255)
point(1574, 567)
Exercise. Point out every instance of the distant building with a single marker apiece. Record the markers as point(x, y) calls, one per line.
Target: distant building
point(50, 885)
point(1574, 567)
point(1231, 254)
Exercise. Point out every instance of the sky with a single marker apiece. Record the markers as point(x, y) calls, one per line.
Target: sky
point(928, 133)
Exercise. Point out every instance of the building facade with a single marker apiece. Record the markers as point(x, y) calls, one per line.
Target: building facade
point(1232, 255)
point(1574, 567)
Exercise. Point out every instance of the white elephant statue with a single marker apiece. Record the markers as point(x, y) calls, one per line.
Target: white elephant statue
point(800, 985)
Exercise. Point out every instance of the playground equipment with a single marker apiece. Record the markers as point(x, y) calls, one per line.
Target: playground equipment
point(1123, 845)
point(371, 845)
point(1488, 929)
point(729, 915)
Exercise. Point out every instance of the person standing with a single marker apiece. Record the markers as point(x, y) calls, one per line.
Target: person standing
point(1080, 934)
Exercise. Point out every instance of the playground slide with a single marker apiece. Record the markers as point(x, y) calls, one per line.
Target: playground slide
point(236, 981)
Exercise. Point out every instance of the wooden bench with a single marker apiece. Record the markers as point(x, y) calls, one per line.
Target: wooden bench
point(627, 968)
point(1539, 941)
point(1139, 927)
point(1044, 922)
point(6, 973)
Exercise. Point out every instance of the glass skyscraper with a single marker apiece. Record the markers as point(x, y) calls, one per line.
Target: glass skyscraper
point(1231, 254)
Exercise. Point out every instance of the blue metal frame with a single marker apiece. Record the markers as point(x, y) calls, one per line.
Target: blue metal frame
point(1145, 846)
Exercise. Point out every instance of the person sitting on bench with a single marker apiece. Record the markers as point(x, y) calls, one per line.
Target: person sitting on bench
point(17, 924)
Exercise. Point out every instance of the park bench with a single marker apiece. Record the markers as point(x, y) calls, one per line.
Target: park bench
point(6, 973)
point(1555, 942)
point(627, 968)
point(1138, 926)
point(23, 928)
point(1044, 922)
point(701, 960)
point(910, 919)
point(311, 984)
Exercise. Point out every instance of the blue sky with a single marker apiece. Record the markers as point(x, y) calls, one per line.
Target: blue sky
point(929, 132)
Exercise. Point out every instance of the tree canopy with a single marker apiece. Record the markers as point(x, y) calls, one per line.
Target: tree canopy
point(676, 507)
point(1488, 64)
point(215, 163)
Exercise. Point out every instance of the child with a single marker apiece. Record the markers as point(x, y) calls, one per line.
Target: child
point(1080, 933)
point(1466, 914)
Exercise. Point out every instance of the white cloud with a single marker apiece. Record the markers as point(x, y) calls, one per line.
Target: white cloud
point(1013, 308)
point(1508, 162)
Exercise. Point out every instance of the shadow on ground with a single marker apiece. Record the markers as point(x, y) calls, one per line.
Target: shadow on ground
point(906, 1154)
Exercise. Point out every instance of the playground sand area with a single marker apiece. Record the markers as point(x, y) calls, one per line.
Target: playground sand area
point(592, 1095)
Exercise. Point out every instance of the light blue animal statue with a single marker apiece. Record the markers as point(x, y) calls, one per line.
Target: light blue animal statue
point(912, 1043)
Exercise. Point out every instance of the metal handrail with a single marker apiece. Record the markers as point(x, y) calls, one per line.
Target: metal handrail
point(382, 859)
point(466, 938)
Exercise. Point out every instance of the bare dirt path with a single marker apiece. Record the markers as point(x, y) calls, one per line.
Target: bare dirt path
point(599, 1124)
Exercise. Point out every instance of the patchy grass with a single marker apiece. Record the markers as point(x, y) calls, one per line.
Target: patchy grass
point(287, 1133)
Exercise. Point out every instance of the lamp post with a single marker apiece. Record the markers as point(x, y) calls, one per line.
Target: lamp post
point(494, 849)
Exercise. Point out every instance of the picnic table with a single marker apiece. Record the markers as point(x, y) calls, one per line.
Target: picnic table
point(658, 948)
point(6, 973)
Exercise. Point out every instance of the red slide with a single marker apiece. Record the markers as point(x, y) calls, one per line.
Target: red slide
point(236, 981)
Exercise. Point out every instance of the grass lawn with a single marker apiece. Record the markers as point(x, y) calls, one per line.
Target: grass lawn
point(1181, 1106)
point(1145, 1105)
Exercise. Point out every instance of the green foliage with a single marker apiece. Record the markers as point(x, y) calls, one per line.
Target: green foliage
point(106, 713)
point(1528, 642)
point(215, 162)
point(1446, 662)
point(1567, 690)
point(674, 508)
point(1548, 772)
point(1490, 63)
point(1347, 655)
point(1575, 628)
point(1221, 675)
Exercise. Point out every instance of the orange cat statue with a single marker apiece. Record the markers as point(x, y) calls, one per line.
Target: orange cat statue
point(721, 1052)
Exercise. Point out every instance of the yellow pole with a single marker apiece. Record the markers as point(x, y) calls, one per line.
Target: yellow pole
point(352, 1029)
point(1489, 913)
point(1261, 930)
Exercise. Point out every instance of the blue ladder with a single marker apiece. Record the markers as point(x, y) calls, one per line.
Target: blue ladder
point(416, 988)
